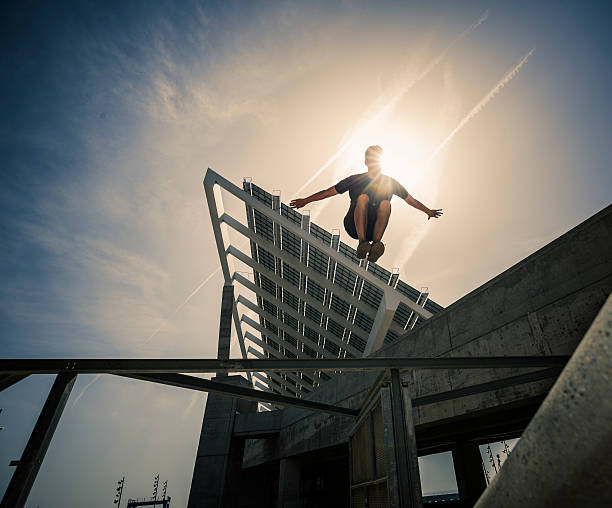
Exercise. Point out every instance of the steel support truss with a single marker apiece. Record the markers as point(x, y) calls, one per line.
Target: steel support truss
point(169, 372)
point(381, 318)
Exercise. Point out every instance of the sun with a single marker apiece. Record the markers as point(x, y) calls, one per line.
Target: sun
point(404, 151)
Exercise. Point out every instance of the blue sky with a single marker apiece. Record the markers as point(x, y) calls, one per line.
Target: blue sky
point(111, 112)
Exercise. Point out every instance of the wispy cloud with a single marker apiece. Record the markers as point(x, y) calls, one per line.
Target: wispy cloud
point(419, 230)
point(389, 104)
point(158, 329)
point(82, 392)
point(176, 311)
point(192, 402)
point(508, 76)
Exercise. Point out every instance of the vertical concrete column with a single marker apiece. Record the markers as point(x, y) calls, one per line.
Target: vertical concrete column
point(406, 458)
point(225, 322)
point(289, 483)
point(219, 456)
point(218, 463)
point(470, 476)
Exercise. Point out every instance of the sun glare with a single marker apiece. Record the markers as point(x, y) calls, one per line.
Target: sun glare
point(404, 151)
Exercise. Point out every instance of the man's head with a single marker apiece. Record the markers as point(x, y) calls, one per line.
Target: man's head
point(373, 159)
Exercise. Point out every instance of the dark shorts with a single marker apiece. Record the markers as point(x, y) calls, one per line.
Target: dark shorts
point(349, 222)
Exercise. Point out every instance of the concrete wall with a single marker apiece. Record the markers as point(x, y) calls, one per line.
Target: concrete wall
point(542, 305)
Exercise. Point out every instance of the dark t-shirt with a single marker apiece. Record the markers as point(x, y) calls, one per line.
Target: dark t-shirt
point(377, 189)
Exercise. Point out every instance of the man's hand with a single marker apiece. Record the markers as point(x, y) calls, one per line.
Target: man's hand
point(434, 213)
point(298, 203)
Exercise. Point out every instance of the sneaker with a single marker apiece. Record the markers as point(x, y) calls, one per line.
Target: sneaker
point(362, 249)
point(377, 250)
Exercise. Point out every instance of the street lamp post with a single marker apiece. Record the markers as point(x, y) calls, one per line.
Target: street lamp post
point(155, 485)
point(119, 492)
point(165, 487)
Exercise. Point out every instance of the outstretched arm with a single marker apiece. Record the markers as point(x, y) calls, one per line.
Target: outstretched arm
point(420, 206)
point(317, 196)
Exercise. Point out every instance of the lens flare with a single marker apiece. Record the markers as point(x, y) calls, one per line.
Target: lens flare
point(404, 150)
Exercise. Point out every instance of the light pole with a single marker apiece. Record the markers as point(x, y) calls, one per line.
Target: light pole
point(155, 485)
point(165, 487)
point(119, 492)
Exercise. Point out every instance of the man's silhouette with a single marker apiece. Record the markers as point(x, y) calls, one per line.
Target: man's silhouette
point(371, 193)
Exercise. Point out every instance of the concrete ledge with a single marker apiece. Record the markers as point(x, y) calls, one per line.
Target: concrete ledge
point(563, 458)
point(257, 425)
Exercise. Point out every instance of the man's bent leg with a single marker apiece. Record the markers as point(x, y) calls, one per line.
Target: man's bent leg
point(361, 216)
point(361, 225)
point(382, 219)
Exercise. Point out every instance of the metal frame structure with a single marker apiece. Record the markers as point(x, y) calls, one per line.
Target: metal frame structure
point(162, 503)
point(314, 297)
point(166, 371)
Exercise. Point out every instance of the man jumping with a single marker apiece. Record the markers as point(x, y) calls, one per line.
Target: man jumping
point(371, 193)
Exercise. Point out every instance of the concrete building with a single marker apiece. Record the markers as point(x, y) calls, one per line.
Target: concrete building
point(542, 307)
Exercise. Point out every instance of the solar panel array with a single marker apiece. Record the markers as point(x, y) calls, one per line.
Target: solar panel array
point(326, 310)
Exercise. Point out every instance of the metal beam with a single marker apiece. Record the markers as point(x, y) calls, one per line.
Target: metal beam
point(273, 383)
point(160, 502)
point(413, 318)
point(269, 384)
point(271, 336)
point(466, 391)
point(201, 365)
point(277, 354)
point(205, 385)
point(221, 232)
point(284, 326)
point(373, 391)
point(265, 388)
point(384, 317)
point(297, 292)
point(34, 453)
point(277, 377)
point(487, 387)
point(284, 344)
point(324, 332)
point(8, 380)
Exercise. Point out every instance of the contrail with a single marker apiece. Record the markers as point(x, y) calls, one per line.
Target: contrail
point(483, 102)
point(192, 401)
point(193, 293)
point(474, 111)
point(391, 103)
point(85, 389)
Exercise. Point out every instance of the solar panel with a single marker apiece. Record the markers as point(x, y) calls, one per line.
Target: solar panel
point(313, 296)
point(338, 315)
